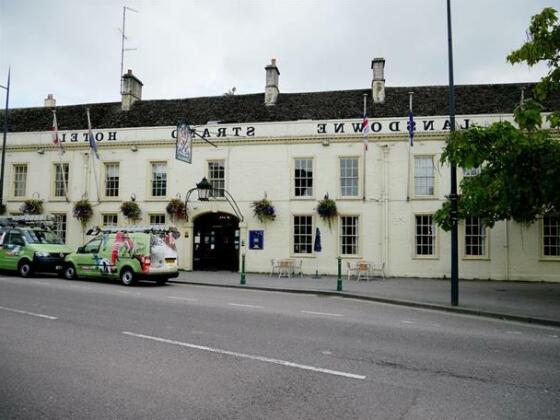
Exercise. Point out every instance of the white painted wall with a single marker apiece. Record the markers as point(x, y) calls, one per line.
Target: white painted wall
point(264, 164)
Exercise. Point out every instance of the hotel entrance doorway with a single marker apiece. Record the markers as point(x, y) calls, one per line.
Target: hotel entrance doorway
point(216, 242)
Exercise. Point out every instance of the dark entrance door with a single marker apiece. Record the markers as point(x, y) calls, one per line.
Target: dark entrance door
point(216, 242)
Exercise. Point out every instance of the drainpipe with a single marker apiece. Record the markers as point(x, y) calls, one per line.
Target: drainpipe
point(385, 198)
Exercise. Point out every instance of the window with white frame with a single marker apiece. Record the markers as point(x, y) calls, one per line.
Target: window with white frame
point(157, 219)
point(349, 235)
point(61, 179)
point(303, 234)
point(425, 237)
point(159, 179)
point(303, 177)
point(424, 175)
point(110, 219)
point(475, 238)
point(349, 177)
point(551, 236)
point(60, 226)
point(20, 180)
point(470, 172)
point(217, 177)
point(112, 179)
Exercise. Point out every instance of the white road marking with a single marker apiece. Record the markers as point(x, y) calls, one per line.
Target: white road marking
point(320, 313)
point(124, 292)
point(183, 298)
point(246, 306)
point(514, 332)
point(407, 322)
point(28, 313)
point(247, 356)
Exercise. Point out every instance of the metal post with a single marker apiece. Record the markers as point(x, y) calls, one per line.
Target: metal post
point(453, 196)
point(7, 87)
point(339, 276)
point(242, 268)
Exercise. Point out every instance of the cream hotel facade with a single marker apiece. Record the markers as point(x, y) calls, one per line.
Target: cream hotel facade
point(293, 149)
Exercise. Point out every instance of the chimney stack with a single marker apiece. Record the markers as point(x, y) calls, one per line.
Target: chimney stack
point(271, 91)
point(378, 82)
point(131, 90)
point(50, 102)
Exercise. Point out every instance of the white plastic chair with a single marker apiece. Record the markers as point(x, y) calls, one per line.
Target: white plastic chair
point(274, 267)
point(352, 270)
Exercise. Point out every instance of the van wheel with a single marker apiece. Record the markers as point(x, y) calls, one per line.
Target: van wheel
point(127, 277)
point(25, 269)
point(70, 272)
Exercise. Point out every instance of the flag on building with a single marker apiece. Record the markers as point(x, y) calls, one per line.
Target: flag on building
point(365, 130)
point(411, 125)
point(91, 138)
point(55, 139)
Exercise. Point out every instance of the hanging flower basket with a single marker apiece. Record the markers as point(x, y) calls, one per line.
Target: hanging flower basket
point(82, 211)
point(131, 210)
point(264, 210)
point(33, 206)
point(327, 210)
point(176, 209)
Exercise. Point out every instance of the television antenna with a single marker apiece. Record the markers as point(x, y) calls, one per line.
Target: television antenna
point(124, 38)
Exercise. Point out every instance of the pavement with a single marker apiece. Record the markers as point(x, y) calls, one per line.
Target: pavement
point(531, 302)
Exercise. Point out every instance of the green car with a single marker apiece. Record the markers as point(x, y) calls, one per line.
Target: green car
point(127, 254)
point(29, 245)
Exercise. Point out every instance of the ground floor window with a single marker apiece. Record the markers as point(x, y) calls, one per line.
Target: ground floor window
point(475, 238)
point(303, 234)
point(551, 236)
point(425, 235)
point(110, 219)
point(157, 219)
point(60, 226)
point(349, 235)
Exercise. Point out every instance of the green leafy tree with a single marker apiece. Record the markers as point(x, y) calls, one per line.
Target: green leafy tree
point(519, 175)
point(543, 45)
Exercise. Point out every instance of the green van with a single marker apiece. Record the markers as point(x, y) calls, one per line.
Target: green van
point(29, 245)
point(127, 254)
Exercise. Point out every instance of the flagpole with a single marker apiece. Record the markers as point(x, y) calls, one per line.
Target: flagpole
point(409, 150)
point(365, 149)
point(93, 152)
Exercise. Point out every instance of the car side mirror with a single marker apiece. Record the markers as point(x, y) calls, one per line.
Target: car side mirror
point(80, 250)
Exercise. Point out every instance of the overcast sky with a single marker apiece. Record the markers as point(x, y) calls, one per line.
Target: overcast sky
point(190, 48)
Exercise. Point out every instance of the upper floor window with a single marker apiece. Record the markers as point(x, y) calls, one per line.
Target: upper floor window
point(20, 180)
point(425, 237)
point(217, 177)
point(112, 179)
point(303, 234)
point(424, 175)
point(551, 236)
point(159, 179)
point(469, 172)
point(475, 238)
point(349, 235)
point(303, 178)
point(349, 177)
point(62, 171)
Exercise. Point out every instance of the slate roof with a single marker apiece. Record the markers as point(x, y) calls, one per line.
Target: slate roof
point(428, 101)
